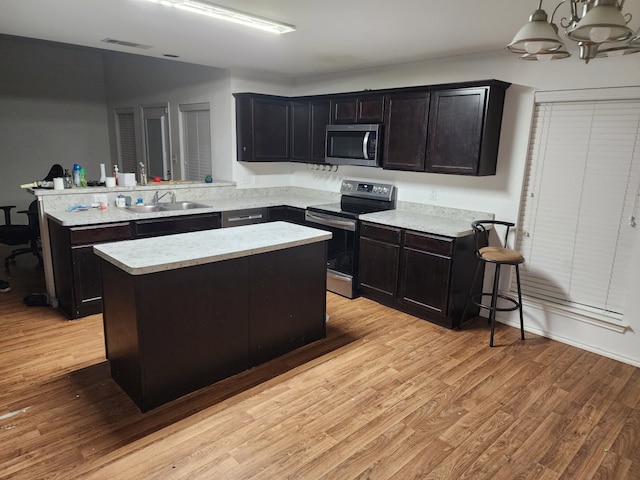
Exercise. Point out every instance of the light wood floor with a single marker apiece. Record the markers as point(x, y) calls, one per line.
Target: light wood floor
point(384, 396)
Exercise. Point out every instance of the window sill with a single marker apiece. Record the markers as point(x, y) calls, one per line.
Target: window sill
point(612, 322)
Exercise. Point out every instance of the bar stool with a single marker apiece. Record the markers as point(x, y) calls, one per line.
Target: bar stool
point(498, 256)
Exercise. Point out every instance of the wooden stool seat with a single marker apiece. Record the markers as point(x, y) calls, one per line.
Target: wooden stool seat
point(502, 255)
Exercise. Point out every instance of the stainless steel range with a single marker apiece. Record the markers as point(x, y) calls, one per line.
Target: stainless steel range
point(342, 220)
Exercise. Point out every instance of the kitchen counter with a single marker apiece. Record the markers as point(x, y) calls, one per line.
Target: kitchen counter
point(150, 255)
point(449, 222)
point(115, 214)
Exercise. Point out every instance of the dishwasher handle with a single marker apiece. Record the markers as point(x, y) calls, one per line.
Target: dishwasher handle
point(241, 218)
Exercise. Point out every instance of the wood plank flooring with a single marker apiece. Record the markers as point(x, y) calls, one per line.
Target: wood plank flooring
point(385, 396)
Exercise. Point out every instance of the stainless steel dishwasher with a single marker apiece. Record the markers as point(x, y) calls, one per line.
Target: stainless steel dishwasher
point(246, 216)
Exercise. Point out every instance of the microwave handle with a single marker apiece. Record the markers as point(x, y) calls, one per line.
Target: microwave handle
point(365, 146)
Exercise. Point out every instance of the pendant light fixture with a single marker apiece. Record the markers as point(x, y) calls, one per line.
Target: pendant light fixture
point(228, 14)
point(599, 26)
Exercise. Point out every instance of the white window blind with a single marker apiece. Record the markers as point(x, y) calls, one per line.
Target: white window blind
point(579, 199)
point(126, 140)
point(196, 136)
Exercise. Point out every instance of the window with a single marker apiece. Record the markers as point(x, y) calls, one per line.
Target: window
point(126, 133)
point(579, 202)
point(196, 140)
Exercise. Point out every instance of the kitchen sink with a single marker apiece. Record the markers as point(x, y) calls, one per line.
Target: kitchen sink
point(145, 208)
point(182, 206)
point(164, 207)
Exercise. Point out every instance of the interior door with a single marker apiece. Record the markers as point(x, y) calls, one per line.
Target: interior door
point(156, 135)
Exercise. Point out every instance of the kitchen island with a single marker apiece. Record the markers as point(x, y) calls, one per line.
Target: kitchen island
point(184, 311)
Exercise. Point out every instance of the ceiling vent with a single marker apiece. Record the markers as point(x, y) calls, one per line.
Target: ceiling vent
point(122, 43)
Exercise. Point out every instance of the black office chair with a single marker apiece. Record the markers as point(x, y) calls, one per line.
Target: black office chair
point(21, 234)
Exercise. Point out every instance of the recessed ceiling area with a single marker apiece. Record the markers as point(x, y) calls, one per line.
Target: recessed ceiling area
point(331, 36)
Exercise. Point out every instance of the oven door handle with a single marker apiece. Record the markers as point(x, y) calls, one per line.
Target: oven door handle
point(331, 221)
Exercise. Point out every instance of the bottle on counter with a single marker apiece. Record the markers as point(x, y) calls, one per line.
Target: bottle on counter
point(76, 175)
point(67, 178)
point(115, 173)
point(83, 177)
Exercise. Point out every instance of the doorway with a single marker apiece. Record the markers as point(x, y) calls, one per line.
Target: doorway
point(155, 120)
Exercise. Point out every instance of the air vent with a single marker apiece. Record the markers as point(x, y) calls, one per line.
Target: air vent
point(113, 41)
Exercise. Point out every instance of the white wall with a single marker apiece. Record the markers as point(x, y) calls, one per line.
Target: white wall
point(136, 81)
point(52, 110)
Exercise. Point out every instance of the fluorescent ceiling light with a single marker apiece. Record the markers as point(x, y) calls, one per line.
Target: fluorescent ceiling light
point(228, 14)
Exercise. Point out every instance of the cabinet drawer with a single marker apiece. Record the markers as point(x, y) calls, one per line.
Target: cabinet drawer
point(100, 233)
point(428, 242)
point(379, 232)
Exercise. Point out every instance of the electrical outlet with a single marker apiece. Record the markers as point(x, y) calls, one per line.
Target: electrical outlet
point(433, 195)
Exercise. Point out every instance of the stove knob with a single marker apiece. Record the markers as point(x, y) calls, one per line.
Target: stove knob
point(385, 190)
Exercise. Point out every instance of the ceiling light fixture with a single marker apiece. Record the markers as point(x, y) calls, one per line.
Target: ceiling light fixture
point(599, 27)
point(229, 15)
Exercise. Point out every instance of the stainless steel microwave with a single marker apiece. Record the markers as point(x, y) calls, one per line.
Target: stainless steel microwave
point(354, 144)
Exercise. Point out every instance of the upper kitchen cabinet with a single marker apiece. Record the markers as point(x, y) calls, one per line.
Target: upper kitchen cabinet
point(359, 109)
point(309, 120)
point(405, 131)
point(262, 128)
point(464, 130)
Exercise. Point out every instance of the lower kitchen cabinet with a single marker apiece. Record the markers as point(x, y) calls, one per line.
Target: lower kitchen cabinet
point(426, 275)
point(426, 261)
point(76, 269)
point(379, 260)
point(287, 214)
point(155, 227)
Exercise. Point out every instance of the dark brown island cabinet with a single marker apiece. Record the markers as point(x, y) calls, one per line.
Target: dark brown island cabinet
point(449, 128)
point(169, 332)
point(426, 275)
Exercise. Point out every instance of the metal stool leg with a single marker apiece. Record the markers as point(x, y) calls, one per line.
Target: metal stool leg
point(520, 302)
point(494, 301)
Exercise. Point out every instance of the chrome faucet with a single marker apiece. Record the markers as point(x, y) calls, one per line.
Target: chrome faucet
point(156, 198)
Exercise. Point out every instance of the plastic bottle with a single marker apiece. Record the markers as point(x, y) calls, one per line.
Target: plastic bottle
point(115, 173)
point(68, 182)
point(76, 175)
point(83, 177)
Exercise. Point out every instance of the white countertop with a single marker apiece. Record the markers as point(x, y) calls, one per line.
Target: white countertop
point(421, 222)
point(434, 219)
point(115, 214)
point(150, 255)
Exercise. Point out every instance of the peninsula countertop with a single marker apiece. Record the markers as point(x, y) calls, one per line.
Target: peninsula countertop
point(115, 214)
point(150, 255)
